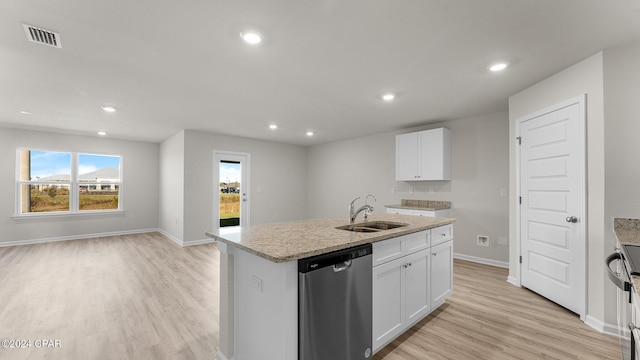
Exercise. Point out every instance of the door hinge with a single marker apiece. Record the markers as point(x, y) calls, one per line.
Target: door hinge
point(519, 138)
point(520, 200)
point(520, 259)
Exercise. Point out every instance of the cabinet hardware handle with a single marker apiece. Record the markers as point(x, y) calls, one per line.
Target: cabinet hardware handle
point(435, 254)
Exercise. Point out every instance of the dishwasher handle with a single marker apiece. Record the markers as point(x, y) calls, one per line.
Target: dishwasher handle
point(342, 266)
point(621, 283)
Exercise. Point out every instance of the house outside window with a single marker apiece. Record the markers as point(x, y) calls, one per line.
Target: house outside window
point(52, 182)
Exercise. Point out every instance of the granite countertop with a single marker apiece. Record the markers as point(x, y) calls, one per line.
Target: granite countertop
point(429, 205)
point(282, 242)
point(628, 233)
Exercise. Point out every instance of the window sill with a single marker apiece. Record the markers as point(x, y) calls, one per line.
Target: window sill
point(56, 215)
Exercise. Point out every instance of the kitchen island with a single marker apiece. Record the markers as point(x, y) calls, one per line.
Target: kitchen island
point(259, 277)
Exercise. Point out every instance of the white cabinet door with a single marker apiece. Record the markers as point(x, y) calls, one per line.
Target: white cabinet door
point(387, 302)
point(407, 157)
point(441, 272)
point(416, 297)
point(434, 154)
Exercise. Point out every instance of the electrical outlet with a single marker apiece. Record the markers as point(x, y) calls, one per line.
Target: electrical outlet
point(411, 190)
point(483, 240)
point(430, 191)
point(393, 190)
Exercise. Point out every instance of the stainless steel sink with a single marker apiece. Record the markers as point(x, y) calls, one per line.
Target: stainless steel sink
point(372, 226)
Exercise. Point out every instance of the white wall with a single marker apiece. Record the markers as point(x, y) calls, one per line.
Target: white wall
point(341, 171)
point(585, 77)
point(622, 128)
point(280, 170)
point(139, 190)
point(171, 187)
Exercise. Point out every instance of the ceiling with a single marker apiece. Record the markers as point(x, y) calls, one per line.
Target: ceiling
point(322, 65)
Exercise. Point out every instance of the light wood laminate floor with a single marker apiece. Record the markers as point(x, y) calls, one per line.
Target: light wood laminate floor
point(143, 297)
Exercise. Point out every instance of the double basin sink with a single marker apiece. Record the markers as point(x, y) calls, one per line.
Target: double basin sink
point(372, 226)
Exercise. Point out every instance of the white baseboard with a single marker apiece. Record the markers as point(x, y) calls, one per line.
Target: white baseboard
point(609, 329)
point(185, 243)
point(198, 242)
point(480, 260)
point(513, 281)
point(221, 356)
point(74, 237)
point(170, 237)
point(105, 234)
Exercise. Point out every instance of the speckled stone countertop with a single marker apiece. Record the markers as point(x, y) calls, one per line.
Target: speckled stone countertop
point(429, 205)
point(282, 242)
point(628, 233)
point(627, 230)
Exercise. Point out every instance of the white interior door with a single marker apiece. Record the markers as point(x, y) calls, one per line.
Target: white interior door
point(231, 189)
point(553, 202)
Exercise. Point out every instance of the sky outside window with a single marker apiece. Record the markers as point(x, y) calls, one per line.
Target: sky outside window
point(229, 172)
point(47, 164)
point(51, 164)
point(99, 163)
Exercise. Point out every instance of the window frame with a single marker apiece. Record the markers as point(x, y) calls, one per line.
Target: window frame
point(74, 185)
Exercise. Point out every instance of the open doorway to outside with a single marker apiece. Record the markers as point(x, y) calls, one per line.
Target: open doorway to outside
point(231, 190)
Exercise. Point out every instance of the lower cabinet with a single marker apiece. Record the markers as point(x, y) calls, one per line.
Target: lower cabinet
point(401, 296)
point(411, 283)
point(441, 273)
point(387, 302)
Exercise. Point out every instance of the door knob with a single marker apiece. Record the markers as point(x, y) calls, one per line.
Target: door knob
point(572, 219)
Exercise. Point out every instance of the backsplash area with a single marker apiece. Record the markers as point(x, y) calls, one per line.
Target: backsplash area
point(427, 204)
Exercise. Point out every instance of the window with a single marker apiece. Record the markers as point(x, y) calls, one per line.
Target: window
point(67, 182)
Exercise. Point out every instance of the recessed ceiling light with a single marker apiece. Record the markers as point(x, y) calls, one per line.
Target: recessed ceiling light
point(23, 112)
point(109, 109)
point(102, 133)
point(388, 97)
point(251, 37)
point(273, 126)
point(309, 133)
point(498, 67)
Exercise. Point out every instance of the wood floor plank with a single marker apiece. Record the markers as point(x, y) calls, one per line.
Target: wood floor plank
point(143, 297)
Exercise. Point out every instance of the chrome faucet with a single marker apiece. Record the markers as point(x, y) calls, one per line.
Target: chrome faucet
point(354, 213)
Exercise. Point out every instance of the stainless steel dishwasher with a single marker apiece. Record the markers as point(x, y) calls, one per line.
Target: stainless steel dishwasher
point(334, 305)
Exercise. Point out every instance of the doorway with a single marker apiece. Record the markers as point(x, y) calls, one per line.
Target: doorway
point(231, 185)
point(552, 187)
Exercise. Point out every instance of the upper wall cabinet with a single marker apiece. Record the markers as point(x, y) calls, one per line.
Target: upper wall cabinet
point(424, 155)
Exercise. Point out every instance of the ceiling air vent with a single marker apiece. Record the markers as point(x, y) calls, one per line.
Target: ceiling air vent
point(42, 36)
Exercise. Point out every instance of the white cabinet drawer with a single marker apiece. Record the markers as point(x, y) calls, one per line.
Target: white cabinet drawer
point(434, 213)
point(441, 234)
point(417, 241)
point(387, 250)
point(399, 211)
point(427, 213)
